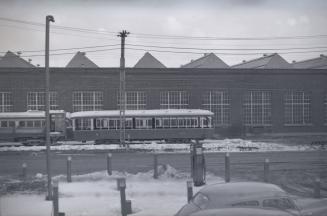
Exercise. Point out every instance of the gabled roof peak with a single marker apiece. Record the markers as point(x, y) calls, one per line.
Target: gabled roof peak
point(273, 60)
point(149, 61)
point(81, 61)
point(208, 60)
point(11, 59)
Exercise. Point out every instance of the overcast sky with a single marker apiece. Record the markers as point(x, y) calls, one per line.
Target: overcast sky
point(207, 18)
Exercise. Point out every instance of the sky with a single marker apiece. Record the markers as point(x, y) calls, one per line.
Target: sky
point(221, 24)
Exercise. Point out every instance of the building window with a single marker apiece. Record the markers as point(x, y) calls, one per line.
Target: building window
point(218, 102)
point(36, 101)
point(174, 100)
point(87, 101)
point(297, 108)
point(257, 108)
point(6, 102)
point(135, 100)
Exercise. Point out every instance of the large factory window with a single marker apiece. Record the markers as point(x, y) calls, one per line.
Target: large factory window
point(36, 101)
point(6, 102)
point(87, 101)
point(297, 106)
point(257, 108)
point(174, 100)
point(135, 100)
point(218, 102)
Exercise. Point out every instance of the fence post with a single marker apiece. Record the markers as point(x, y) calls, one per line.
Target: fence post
point(109, 166)
point(189, 190)
point(317, 188)
point(227, 167)
point(155, 166)
point(24, 171)
point(266, 170)
point(121, 182)
point(55, 200)
point(69, 169)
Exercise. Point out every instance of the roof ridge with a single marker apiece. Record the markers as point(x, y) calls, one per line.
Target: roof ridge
point(252, 60)
point(306, 60)
point(202, 57)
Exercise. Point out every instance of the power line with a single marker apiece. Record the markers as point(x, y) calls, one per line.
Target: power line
point(227, 49)
point(232, 54)
point(163, 36)
point(181, 48)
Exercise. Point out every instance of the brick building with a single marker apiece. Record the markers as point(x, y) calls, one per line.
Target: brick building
point(255, 99)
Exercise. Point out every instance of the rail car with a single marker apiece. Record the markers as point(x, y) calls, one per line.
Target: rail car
point(29, 126)
point(170, 125)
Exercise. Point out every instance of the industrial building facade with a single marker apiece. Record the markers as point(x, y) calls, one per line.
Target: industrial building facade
point(245, 101)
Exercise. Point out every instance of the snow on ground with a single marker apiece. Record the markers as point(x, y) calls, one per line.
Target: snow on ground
point(226, 145)
point(96, 194)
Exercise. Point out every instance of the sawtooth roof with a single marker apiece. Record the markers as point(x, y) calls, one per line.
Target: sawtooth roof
point(148, 61)
point(272, 61)
point(207, 61)
point(315, 63)
point(81, 61)
point(10, 59)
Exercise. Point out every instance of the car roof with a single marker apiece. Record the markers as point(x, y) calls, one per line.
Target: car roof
point(241, 212)
point(228, 193)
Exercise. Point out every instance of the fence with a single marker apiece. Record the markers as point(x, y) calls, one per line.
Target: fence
point(230, 166)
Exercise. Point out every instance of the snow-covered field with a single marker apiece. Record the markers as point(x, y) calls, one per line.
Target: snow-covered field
point(96, 194)
point(226, 145)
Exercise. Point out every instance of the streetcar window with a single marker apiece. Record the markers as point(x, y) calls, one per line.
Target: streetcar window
point(83, 124)
point(11, 124)
point(181, 122)
point(194, 122)
point(22, 123)
point(29, 123)
point(129, 123)
point(101, 124)
point(173, 122)
point(37, 123)
point(204, 122)
point(112, 124)
point(158, 123)
point(143, 123)
point(4, 124)
point(166, 123)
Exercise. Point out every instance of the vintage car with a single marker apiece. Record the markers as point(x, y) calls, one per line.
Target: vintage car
point(248, 196)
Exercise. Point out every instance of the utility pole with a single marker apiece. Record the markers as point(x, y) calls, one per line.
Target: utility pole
point(48, 19)
point(122, 90)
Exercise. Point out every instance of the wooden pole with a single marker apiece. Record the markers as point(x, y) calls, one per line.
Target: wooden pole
point(55, 200)
point(121, 182)
point(189, 190)
point(317, 188)
point(69, 169)
point(227, 167)
point(24, 171)
point(109, 164)
point(155, 166)
point(266, 170)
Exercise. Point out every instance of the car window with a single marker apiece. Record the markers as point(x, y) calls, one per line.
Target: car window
point(247, 203)
point(200, 200)
point(281, 203)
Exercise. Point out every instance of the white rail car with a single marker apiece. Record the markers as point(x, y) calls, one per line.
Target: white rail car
point(170, 125)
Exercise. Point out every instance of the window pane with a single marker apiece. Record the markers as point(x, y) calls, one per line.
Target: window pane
point(218, 102)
